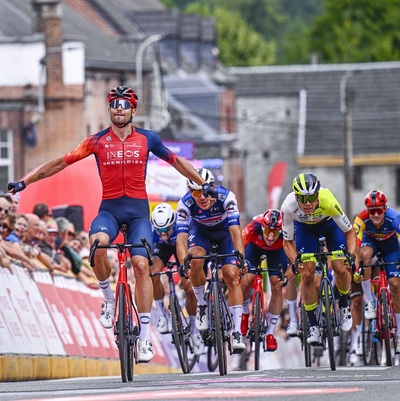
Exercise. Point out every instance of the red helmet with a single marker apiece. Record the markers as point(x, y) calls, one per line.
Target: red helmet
point(375, 198)
point(272, 219)
point(123, 92)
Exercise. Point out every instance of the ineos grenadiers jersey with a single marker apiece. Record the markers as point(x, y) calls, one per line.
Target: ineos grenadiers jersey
point(122, 165)
point(252, 233)
point(328, 207)
point(224, 213)
point(390, 227)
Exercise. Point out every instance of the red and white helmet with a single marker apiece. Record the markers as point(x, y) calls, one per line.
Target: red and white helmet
point(374, 199)
point(272, 219)
point(123, 92)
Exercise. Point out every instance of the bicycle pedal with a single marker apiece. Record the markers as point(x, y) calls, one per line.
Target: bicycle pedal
point(237, 351)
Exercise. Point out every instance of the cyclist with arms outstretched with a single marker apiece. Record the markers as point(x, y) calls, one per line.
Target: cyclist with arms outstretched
point(121, 153)
point(313, 212)
point(202, 221)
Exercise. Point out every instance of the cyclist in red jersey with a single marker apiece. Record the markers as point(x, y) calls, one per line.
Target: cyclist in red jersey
point(121, 153)
point(263, 237)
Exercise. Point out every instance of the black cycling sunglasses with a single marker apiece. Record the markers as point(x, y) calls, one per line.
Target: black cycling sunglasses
point(125, 104)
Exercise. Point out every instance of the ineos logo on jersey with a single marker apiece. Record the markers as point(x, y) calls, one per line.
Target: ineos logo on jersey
point(119, 154)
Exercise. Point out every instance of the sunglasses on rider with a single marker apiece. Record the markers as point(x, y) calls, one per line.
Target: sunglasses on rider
point(376, 210)
point(306, 198)
point(163, 230)
point(196, 192)
point(267, 231)
point(125, 104)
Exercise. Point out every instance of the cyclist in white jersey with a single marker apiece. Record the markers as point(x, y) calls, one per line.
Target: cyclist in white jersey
point(311, 212)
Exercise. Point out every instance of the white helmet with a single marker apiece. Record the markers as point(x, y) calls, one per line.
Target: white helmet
point(205, 174)
point(163, 216)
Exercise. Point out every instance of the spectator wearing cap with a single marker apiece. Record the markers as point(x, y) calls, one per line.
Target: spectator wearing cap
point(48, 246)
point(66, 231)
point(42, 211)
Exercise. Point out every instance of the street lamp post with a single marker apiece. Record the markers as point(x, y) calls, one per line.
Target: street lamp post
point(139, 61)
point(346, 109)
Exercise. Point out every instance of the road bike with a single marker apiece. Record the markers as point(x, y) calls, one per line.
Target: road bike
point(327, 311)
point(219, 320)
point(257, 322)
point(126, 318)
point(385, 322)
point(180, 331)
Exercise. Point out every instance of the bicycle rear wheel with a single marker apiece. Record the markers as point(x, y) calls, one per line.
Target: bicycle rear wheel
point(122, 327)
point(178, 334)
point(329, 321)
point(257, 319)
point(386, 327)
point(219, 330)
point(366, 339)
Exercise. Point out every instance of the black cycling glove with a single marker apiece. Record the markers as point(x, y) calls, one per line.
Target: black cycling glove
point(15, 187)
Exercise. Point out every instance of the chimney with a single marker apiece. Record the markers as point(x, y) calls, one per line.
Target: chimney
point(48, 21)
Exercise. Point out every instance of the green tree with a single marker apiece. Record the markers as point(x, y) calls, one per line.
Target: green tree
point(238, 44)
point(353, 31)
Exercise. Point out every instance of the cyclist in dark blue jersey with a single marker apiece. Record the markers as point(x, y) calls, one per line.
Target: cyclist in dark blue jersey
point(202, 221)
point(380, 226)
point(163, 219)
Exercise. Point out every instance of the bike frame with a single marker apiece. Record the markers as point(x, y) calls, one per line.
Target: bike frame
point(327, 314)
point(126, 330)
point(181, 331)
point(383, 286)
point(384, 310)
point(220, 322)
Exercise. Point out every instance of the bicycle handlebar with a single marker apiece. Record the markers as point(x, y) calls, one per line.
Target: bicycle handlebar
point(120, 247)
point(214, 256)
point(301, 256)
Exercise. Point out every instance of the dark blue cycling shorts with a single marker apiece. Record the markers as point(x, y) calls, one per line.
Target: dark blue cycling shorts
point(274, 259)
point(389, 248)
point(164, 252)
point(205, 237)
point(135, 213)
point(307, 236)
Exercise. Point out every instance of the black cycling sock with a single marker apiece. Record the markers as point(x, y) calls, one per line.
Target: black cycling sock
point(343, 301)
point(312, 318)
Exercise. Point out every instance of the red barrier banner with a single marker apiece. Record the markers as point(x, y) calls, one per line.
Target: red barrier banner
point(93, 299)
point(28, 325)
point(58, 312)
point(47, 328)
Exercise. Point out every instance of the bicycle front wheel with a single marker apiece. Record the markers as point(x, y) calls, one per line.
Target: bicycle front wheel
point(212, 358)
point(304, 334)
point(178, 333)
point(257, 319)
point(366, 339)
point(385, 327)
point(122, 328)
point(329, 321)
point(219, 330)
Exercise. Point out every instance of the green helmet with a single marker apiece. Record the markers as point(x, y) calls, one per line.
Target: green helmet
point(306, 184)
